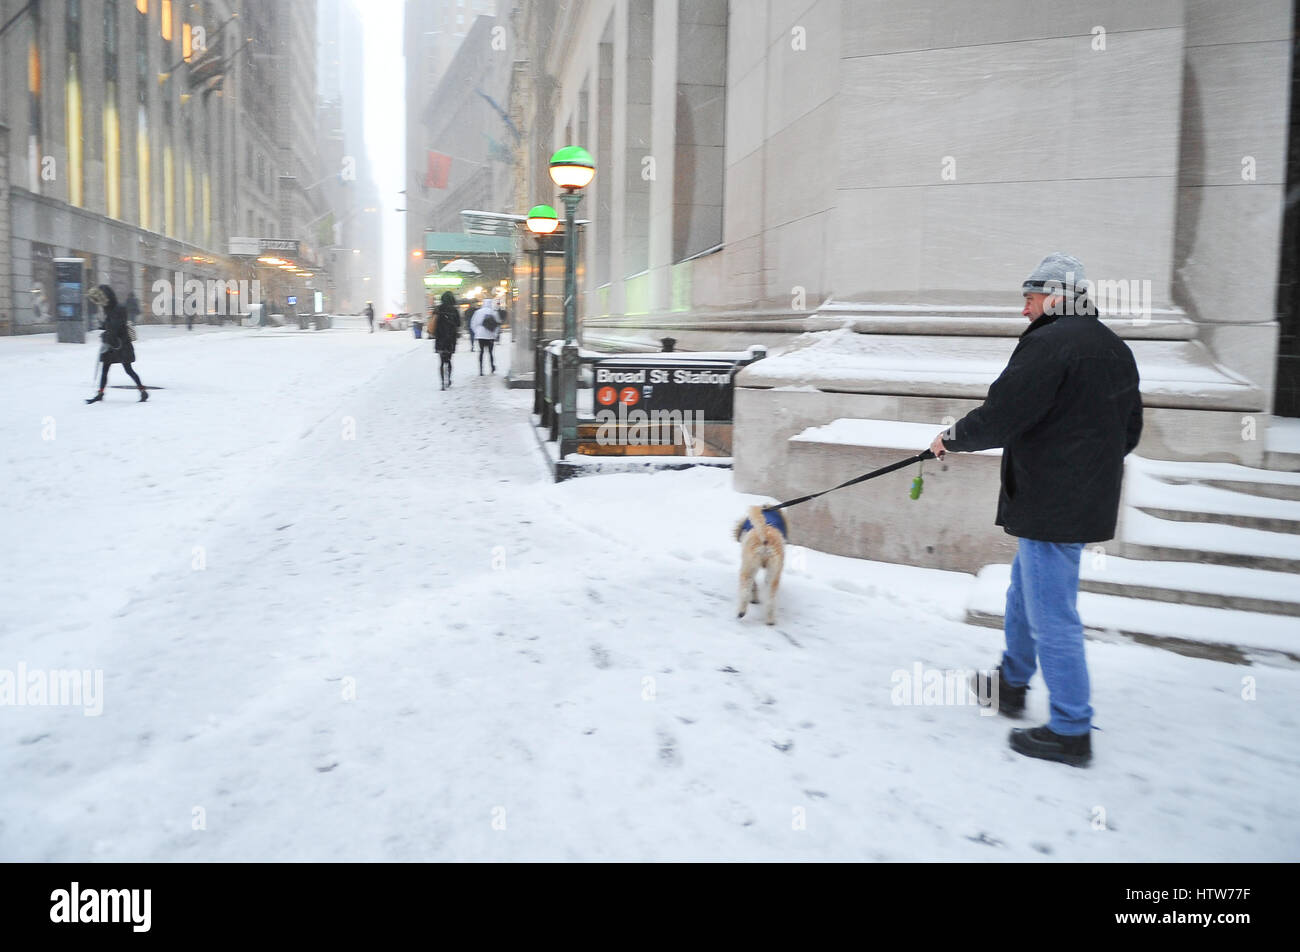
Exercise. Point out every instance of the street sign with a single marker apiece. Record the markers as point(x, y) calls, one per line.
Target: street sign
point(291, 299)
point(279, 244)
point(436, 280)
point(702, 387)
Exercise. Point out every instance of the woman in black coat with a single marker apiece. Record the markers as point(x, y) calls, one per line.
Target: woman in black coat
point(444, 331)
point(115, 342)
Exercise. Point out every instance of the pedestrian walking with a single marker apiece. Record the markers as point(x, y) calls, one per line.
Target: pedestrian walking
point(444, 328)
point(132, 306)
point(470, 307)
point(115, 341)
point(1066, 411)
point(370, 315)
point(484, 326)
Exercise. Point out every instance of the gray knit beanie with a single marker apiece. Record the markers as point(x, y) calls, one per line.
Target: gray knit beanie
point(1056, 274)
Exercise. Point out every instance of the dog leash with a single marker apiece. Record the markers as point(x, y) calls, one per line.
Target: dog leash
point(918, 458)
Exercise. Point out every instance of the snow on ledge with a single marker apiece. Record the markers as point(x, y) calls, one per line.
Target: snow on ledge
point(1283, 435)
point(887, 434)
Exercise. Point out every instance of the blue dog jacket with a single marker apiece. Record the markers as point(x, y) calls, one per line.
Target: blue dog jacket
point(773, 518)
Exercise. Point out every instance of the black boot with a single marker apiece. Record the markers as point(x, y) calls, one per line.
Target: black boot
point(97, 397)
point(1046, 744)
point(144, 394)
point(991, 689)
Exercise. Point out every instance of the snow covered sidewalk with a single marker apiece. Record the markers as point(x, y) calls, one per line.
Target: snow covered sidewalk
point(342, 615)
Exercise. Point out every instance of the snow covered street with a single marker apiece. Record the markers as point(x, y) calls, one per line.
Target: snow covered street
point(341, 615)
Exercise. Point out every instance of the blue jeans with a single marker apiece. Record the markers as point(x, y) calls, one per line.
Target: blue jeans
point(1042, 623)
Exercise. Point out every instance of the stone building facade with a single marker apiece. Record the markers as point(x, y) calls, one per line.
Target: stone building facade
point(862, 185)
point(144, 134)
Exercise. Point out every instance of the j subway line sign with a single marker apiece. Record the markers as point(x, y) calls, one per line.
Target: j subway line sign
point(702, 389)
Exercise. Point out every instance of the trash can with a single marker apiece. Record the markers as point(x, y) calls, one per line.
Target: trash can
point(417, 328)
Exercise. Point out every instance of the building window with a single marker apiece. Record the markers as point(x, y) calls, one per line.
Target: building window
point(142, 55)
point(73, 109)
point(73, 30)
point(110, 40)
point(112, 123)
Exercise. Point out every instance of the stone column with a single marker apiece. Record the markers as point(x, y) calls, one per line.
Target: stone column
point(6, 247)
point(663, 120)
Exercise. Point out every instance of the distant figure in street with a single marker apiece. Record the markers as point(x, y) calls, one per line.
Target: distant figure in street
point(132, 308)
point(484, 326)
point(370, 315)
point(1066, 411)
point(470, 308)
point(115, 342)
point(444, 328)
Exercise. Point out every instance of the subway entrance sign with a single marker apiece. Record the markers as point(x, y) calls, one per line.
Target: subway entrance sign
point(702, 386)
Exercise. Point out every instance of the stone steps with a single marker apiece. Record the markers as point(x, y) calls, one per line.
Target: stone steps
point(1210, 551)
point(1196, 630)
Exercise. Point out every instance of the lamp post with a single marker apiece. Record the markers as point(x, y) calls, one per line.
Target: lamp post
point(572, 169)
point(542, 222)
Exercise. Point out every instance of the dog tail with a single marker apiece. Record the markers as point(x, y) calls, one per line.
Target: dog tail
point(756, 518)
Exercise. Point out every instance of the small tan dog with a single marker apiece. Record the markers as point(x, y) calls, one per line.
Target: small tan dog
point(762, 546)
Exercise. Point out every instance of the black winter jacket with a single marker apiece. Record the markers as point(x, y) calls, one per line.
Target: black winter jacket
point(115, 341)
point(446, 328)
point(1066, 411)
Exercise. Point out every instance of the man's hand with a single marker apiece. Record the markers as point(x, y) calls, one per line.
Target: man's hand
point(937, 447)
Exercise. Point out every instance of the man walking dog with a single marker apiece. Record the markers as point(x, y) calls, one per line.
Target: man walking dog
point(1066, 411)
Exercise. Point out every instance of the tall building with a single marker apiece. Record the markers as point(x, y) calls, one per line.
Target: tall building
point(142, 135)
point(434, 31)
point(356, 214)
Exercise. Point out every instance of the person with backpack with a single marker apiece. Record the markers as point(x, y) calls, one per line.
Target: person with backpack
point(444, 328)
point(115, 342)
point(484, 326)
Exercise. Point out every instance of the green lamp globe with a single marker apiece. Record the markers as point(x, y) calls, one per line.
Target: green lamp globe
point(572, 167)
point(542, 220)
